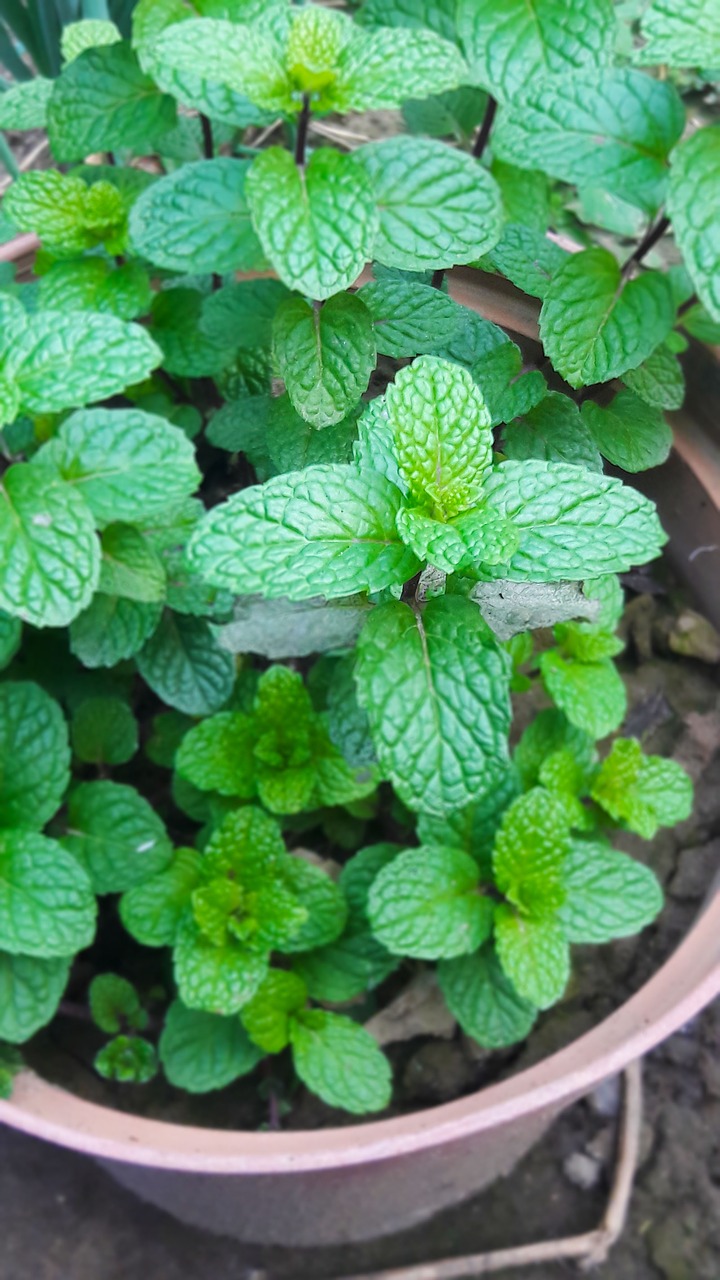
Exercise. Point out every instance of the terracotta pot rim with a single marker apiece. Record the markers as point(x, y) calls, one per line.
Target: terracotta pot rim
point(684, 984)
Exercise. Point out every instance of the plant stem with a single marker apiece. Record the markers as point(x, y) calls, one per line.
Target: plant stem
point(7, 159)
point(486, 125)
point(687, 304)
point(437, 278)
point(302, 128)
point(650, 238)
point(410, 588)
point(207, 136)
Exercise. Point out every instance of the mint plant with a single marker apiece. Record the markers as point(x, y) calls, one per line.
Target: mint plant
point(282, 535)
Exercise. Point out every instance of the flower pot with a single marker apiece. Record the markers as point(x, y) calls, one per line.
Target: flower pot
point(346, 1184)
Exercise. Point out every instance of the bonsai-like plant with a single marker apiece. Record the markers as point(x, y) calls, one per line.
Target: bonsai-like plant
point(326, 655)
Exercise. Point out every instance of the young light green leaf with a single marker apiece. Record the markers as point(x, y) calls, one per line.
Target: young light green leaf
point(340, 1062)
point(530, 849)
point(153, 910)
point(629, 432)
point(511, 46)
point(534, 955)
point(184, 665)
point(217, 979)
point(197, 219)
point(682, 34)
point(216, 755)
point(267, 1016)
point(659, 380)
point(317, 223)
point(51, 555)
point(484, 1001)
point(548, 733)
point(608, 894)
point(116, 835)
point(426, 904)
point(591, 694)
point(112, 629)
point(88, 33)
point(203, 1051)
point(47, 906)
point(127, 1059)
point(692, 199)
point(323, 531)
point(552, 431)
point(382, 68)
point(61, 209)
point(642, 792)
point(409, 317)
point(104, 731)
point(325, 355)
point(595, 327)
point(93, 284)
point(24, 106)
point(440, 544)
point(437, 206)
point(435, 688)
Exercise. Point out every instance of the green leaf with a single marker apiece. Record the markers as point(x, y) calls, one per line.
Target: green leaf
point(186, 350)
point(115, 1004)
point(293, 444)
point(549, 732)
point(103, 100)
point(591, 694)
point(629, 432)
point(609, 895)
point(104, 731)
point(594, 327)
point(438, 543)
point(266, 1017)
point(340, 1062)
point(30, 991)
point(659, 380)
point(680, 34)
point(322, 899)
point(692, 201)
point(152, 911)
point(512, 45)
point(507, 392)
point(63, 212)
point(325, 530)
point(642, 792)
point(573, 524)
point(127, 1059)
point(375, 447)
point(35, 755)
point(525, 194)
point(130, 566)
point(184, 665)
point(114, 832)
point(216, 755)
point(534, 955)
point(438, 15)
point(426, 904)
point(201, 1051)
point(89, 33)
point(441, 430)
point(316, 224)
point(47, 906)
point(453, 114)
point(408, 317)
point(24, 105)
point(197, 219)
point(484, 1001)
point(435, 688)
point(473, 828)
point(92, 284)
point(382, 68)
point(127, 464)
point(437, 206)
point(611, 129)
point(530, 850)
point(527, 257)
point(112, 629)
point(218, 979)
point(10, 638)
point(553, 431)
point(325, 355)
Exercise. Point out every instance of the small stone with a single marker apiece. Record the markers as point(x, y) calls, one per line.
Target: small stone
point(582, 1170)
point(606, 1097)
point(419, 1010)
point(692, 636)
point(437, 1072)
point(602, 1146)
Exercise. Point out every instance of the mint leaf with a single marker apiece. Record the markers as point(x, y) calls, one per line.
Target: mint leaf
point(266, 1017)
point(484, 1001)
point(325, 355)
point(10, 638)
point(473, 828)
point(129, 1059)
point(202, 1051)
point(283, 629)
point(104, 731)
point(549, 732)
point(130, 566)
point(153, 910)
point(244, 59)
point(530, 849)
point(552, 431)
point(375, 447)
point(431, 540)
point(525, 195)
point(103, 100)
point(572, 523)
point(510, 47)
point(216, 755)
point(506, 390)
point(112, 629)
point(218, 979)
point(340, 1062)
point(51, 560)
point(527, 257)
point(628, 432)
point(437, 206)
point(659, 380)
point(186, 350)
point(426, 904)
point(383, 68)
point(681, 35)
point(534, 955)
point(408, 317)
point(87, 33)
point(30, 991)
point(692, 197)
point(642, 792)
point(438, 15)
point(595, 327)
point(47, 906)
point(453, 114)
point(323, 901)
point(511, 608)
point(116, 835)
point(63, 212)
point(591, 694)
point(435, 689)
point(292, 443)
point(316, 224)
point(197, 219)
point(24, 105)
point(441, 430)
point(114, 1003)
point(35, 754)
point(323, 531)
point(184, 665)
point(92, 284)
point(609, 895)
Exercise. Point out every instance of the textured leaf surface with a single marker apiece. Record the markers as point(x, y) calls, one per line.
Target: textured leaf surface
point(130, 567)
point(326, 530)
point(115, 833)
point(51, 555)
point(609, 895)
point(591, 694)
point(197, 219)
point(527, 257)
point(323, 900)
point(153, 910)
point(293, 444)
point(513, 607)
point(484, 1001)
point(340, 1062)
point(573, 524)
point(409, 317)
point(202, 1051)
point(24, 106)
point(642, 792)
point(425, 904)
point(112, 629)
point(659, 380)
point(692, 204)
point(629, 432)
point(552, 431)
point(530, 849)
point(611, 129)
point(218, 979)
point(217, 755)
point(507, 391)
point(595, 328)
point(92, 284)
point(534, 955)
point(325, 355)
point(436, 694)
point(316, 224)
point(437, 206)
point(549, 732)
point(184, 665)
point(104, 731)
point(30, 991)
point(47, 906)
point(681, 34)
point(267, 1016)
point(382, 68)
